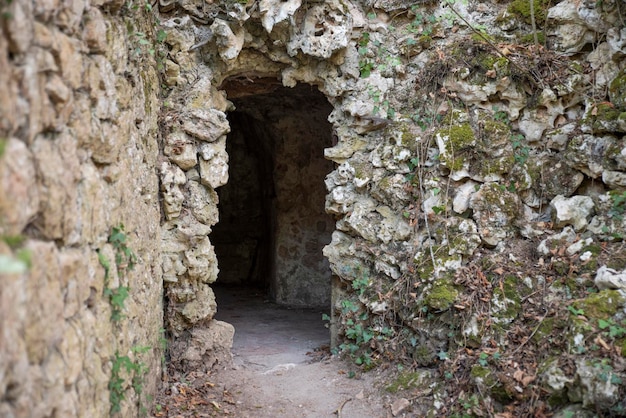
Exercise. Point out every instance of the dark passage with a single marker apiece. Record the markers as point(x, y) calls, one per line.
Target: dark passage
point(272, 224)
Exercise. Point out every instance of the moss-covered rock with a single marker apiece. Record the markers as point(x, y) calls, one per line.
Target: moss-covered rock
point(617, 90)
point(453, 142)
point(441, 295)
point(506, 301)
point(407, 380)
point(495, 212)
point(602, 305)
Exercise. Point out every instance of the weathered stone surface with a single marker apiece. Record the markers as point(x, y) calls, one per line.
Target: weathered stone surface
point(172, 178)
point(495, 212)
point(19, 200)
point(421, 134)
point(57, 186)
point(326, 29)
point(201, 262)
point(59, 115)
point(207, 348)
point(94, 31)
point(213, 163)
point(202, 308)
point(574, 211)
point(203, 202)
point(181, 150)
point(608, 278)
point(463, 195)
point(614, 179)
point(206, 124)
point(229, 41)
point(273, 11)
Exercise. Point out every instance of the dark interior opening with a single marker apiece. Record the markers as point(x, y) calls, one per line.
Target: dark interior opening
point(272, 224)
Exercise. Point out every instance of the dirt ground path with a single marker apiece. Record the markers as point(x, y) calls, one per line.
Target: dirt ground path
point(281, 368)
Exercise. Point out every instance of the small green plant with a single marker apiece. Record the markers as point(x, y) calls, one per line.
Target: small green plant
point(501, 116)
point(4, 4)
point(117, 298)
point(613, 329)
point(106, 264)
point(574, 311)
point(365, 64)
point(618, 204)
point(123, 366)
point(607, 374)
point(13, 241)
point(3, 146)
point(125, 258)
point(20, 261)
point(360, 285)
point(520, 150)
point(125, 261)
point(483, 359)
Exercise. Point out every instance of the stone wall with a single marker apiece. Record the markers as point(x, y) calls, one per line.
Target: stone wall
point(79, 150)
point(461, 135)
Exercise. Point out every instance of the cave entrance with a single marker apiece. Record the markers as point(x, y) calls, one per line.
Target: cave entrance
point(272, 225)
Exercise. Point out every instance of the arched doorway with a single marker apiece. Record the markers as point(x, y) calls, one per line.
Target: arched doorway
point(272, 224)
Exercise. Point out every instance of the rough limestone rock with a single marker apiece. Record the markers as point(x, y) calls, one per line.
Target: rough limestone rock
point(19, 200)
point(275, 11)
point(608, 278)
point(229, 41)
point(326, 29)
point(567, 236)
point(205, 124)
point(594, 389)
point(213, 163)
point(206, 348)
point(495, 212)
point(181, 150)
point(440, 142)
point(172, 178)
point(574, 211)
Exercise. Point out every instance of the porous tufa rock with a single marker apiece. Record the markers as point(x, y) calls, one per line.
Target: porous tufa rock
point(325, 30)
point(229, 41)
point(276, 11)
point(214, 163)
point(172, 177)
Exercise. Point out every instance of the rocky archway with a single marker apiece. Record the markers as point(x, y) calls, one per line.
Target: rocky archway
point(272, 221)
point(209, 111)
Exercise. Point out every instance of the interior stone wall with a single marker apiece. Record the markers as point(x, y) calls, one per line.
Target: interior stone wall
point(242, 238)
point(78, 151)
point(272, 209)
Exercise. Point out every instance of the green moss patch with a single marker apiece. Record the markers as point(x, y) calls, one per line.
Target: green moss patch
point(442, 295)
point(601, 305)
point(521, 9)
point(457, 139)
point(406, 380)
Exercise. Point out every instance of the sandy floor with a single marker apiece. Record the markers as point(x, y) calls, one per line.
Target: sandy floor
point(278, 372)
